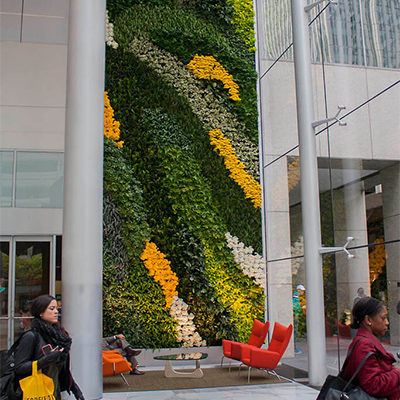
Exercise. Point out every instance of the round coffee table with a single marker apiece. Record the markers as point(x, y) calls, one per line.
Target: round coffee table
point(171, 373)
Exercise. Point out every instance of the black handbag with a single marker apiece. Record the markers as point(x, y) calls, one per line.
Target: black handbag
point(336, 388)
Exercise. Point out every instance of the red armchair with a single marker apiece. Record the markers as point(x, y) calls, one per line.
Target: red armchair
point(268, 359)
point(114, 363)
point(232, 349)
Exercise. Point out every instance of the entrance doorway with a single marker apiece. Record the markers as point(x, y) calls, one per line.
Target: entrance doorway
point(27, 270)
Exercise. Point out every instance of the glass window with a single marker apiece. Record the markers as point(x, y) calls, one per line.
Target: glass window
point(32, 269)
point(6, 178)
point(4, 266)
point(40, 179)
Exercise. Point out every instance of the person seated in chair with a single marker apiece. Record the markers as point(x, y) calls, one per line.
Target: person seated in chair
point(118, 342)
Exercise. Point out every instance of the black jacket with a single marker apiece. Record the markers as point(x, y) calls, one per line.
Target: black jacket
point(29, 350)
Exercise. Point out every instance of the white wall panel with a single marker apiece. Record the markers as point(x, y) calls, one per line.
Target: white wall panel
point(32, 128)
point(37, 29)
point(30, 221)
point(385, 116)
point(10, 20)
point(372, 132)
point(45, 21)
point(33, 75)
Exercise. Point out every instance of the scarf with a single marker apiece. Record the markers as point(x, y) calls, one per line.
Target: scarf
point(52, 334)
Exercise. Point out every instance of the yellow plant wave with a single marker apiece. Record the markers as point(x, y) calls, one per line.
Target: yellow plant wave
point(160, 268)
point(251, 188)
point(207, 67)
point(111, 126)
point(230, 295)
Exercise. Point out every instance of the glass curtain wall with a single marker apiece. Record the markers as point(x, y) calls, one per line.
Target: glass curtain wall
point(356, 63)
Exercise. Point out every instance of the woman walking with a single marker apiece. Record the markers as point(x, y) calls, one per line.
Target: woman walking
point(34, 346)
point(378, 377)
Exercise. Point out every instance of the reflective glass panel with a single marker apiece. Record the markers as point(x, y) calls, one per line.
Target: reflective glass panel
point(382, 31)
point(355, 32)
point(278, 29)
point(6, 178)
point(4, 268)
point(40, 179)
point(31, 279)
point(337, 35)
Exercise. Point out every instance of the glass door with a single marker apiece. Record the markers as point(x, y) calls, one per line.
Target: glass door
point(4, 290)
point(27, 271)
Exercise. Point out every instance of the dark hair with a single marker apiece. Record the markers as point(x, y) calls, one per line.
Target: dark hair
point(40, 304)
point(365, 306)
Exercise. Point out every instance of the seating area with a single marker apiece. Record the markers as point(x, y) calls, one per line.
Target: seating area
point(114, 363)
point(251, 353)
point(257, 337)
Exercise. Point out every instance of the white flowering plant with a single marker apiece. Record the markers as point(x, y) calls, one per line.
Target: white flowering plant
point(251, 263)
point(186, 329)
point(109, 34)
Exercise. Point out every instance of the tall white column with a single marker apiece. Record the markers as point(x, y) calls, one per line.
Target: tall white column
point(390, 178)
point(309, 196)
point(351, 220)
point(83, 192)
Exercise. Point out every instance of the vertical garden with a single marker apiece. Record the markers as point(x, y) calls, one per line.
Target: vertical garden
point(182, 222)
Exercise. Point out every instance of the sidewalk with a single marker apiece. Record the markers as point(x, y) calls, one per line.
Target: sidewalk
point(284, 391)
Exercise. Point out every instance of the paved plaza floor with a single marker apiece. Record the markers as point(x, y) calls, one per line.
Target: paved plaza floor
point(283, 391)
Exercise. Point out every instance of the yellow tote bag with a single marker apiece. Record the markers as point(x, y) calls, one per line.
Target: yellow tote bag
point(38, 386)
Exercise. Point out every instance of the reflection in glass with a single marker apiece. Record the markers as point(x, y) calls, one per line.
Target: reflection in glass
point(21, 325)
point(6, 178)
point(340, 31)
point(182, 356)
point(354, 32)
point(278, 29)
point(382, 31)
point(40, 179)
point(31, 279)
point(4, 267)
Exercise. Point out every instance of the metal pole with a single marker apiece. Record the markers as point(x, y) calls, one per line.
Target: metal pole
point(83, 193)
point(309, 196)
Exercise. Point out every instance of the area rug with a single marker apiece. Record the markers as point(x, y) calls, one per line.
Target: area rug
point(213, 377)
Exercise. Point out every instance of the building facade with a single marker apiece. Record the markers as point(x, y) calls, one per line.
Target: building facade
point(355, 53)
point(356, 62)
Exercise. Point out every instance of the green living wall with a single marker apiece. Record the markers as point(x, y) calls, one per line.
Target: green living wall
point(182, 223)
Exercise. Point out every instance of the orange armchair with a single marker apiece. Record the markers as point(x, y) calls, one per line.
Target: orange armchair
point(232, 349)
point(268, 359)
point(114, 363)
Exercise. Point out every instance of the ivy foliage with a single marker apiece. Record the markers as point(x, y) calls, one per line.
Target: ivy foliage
point(167, 184)
point(134, 89)
point(184, 34)
point(217, 12)
point(136, 305)
point(175, 239)
point(116, 7)
point(213, 321)
point(193, 205)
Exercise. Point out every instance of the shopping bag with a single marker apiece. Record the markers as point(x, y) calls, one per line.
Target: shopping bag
point(37, 386)
point(336, 388)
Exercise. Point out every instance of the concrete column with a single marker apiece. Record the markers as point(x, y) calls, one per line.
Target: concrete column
point(83, 192)
point(351, 220)
point(277, 229)
point(390, 178)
